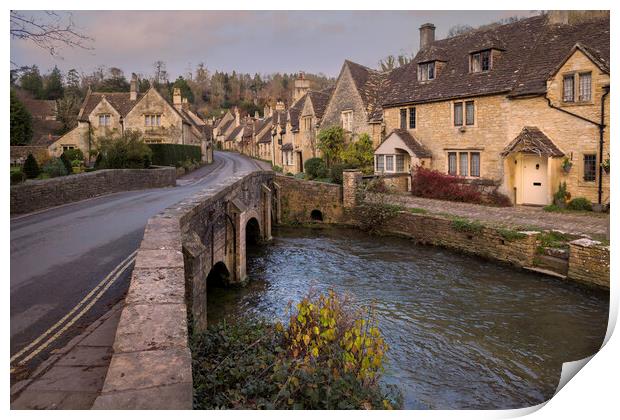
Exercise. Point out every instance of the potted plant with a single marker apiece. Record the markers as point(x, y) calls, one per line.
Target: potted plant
point(605, 165)
point(567, 165)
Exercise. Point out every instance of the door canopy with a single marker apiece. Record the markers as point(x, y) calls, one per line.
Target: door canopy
point(533, 141)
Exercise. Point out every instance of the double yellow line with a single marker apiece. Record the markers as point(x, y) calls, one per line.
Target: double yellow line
point(32, 349)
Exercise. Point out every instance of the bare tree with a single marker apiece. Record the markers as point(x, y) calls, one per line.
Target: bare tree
point(51, 31)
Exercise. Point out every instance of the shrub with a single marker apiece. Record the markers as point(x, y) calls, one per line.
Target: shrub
point(329, 356)
point(31, 167)
point(377, 185)
point(74, 154)
point(496, 198)
point(331, 144)
point(336, 172)
point(55, 168)
point(360, 153)
point(579, 203)
point(315, 168)
point(561, 196)
point(126, 151)
point(300, 175)
point(65, 161)
point(469, 226)
point(373, 211)
point(277, 168)
point(17, 177)
point(434, 184)
point(174, 154)
point(511, 235)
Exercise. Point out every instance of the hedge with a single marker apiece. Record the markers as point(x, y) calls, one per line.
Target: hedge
point(174, 154)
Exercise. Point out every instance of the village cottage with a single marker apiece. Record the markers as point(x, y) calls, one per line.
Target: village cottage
point(524, 105)
point(111, 113)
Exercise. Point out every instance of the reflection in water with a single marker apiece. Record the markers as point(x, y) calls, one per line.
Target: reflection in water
point(463, 332)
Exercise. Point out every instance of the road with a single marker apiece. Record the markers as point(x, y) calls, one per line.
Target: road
point(66, 262)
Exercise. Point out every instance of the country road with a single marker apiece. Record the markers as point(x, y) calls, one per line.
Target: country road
point(60, 257)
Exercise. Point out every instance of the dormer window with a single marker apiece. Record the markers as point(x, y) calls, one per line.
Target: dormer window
point(480, 61)
point(426, 71)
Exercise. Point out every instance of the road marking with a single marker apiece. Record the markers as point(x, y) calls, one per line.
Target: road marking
point(105, 283)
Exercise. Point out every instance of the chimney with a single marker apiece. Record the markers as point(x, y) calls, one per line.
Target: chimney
point(237, 117)
point(280, 106)
point(558, 17)
point(301, 86)
point(184, 104)
point(177, 100)
point(256, 116)
point(133, 87)
point(427, 35)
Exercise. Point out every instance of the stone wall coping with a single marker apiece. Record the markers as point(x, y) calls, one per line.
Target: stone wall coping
point(586, 243)
point(83, 175)
point(292, 178)
point(151, 367)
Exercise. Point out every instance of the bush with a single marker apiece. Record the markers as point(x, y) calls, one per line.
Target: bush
point(174, 154)
point(377, 185)
point(74, 154)
point(496, 198)
point(277, 168)
point(336, 172)
point(65, 161)
point(315, 168)
point(17, 177)
point(31, 167)
point(329, 356)
point(126, 151)
point(360, 153)
point(331, 144)
point(373, 211)
point(579, 203)
point(55, 168)
point(434, 184)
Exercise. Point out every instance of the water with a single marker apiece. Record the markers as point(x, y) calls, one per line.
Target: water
point(463, 332)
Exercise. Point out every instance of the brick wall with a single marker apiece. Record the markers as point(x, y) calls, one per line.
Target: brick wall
point(298, 198)
point(41, 194)
point(588, 262)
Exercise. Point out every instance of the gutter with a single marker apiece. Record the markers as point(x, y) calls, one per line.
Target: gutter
point(601, 128)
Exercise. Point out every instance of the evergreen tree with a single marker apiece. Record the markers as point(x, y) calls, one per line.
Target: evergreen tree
point(31, 167)
point(73, 83)
point(53, 85)
point(32, 81)
point(65, 161)
point(21, 122)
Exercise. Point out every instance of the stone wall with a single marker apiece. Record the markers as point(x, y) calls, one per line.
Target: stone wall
point(298, 198)
point(41, 194)
point(20, 153)
point(588, 262)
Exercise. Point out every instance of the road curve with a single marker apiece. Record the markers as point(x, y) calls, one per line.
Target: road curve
point(58, 256)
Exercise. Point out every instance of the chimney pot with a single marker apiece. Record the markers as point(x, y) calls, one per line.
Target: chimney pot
point(133, 87)
point(427, 35)
point(177, 100)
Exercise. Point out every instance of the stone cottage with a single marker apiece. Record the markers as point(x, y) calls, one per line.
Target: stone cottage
point(111, 113)
point(524, 105)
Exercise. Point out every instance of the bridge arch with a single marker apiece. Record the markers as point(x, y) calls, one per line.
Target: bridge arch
point(218, 276)
point(253, 234)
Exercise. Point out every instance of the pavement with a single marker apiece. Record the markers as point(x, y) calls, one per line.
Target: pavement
point(595, 225)
point(71, 264)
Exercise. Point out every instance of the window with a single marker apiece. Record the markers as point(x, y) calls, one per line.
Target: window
point(65, 148)
point(474, 162)
point(426, 71)
point(585, 87)
point(389, 163)
point(569, 88)
point(480, 61)
point(347, 120)
point(469, 112)
point(104, 119)
point(287, 158)
point(589, 168)
point(400, 163)
point(380, 163)
point(452, 163)
point(463, 157)
point(307, 123)
point(411, 117)
point(458, 114)
point(152, 120)
point(403, 118)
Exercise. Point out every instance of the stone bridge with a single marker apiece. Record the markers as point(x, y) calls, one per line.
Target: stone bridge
point(196, 242)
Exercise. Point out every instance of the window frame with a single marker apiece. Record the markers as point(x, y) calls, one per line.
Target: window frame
point(581, 75)
point(403, 121)
point(458, 170)
point(380, 168)
point(426, 70)
point(412, 113)
point(565, 99)
point(460, 113)
point(594, 167)
point(473, 113)
point(348, 116)
point(107, 119)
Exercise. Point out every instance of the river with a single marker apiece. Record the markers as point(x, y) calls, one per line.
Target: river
point(464, 333)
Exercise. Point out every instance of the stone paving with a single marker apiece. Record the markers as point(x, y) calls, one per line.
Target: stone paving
point(595, 225)
point(73, 376)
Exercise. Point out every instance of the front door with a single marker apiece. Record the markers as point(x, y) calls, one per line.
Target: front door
point(535, 186)
point(300, 162)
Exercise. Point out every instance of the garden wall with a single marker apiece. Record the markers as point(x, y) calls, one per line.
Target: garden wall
point(588, 262)
point(20, 153)
point(41, 194)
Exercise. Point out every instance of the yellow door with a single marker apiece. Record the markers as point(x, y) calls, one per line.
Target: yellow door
point(534, 180)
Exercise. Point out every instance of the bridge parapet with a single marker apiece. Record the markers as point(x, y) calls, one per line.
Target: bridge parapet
point(151, 364)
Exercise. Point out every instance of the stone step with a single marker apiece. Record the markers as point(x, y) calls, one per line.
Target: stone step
point(556, 264)
point(547, 272)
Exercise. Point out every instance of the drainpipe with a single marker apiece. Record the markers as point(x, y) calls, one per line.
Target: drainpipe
point(601, 129)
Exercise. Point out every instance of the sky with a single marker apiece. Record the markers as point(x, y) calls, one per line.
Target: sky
point(245, 41)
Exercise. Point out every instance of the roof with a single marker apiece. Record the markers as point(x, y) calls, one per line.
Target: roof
point(412, 143)
point(287, 147)
point(529, 51)
point(370, 84)
point(37, 107)
point(260, 124)
point(44, 140)
point(532, 140)
point(234, 133)
point(120, 101)
point(225, 126)
point(319, 101)
point(265, 138)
